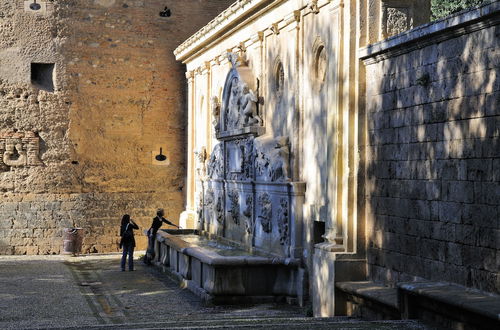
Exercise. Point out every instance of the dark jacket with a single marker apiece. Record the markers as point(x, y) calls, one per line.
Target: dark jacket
point(157, 222)
point(128, 239)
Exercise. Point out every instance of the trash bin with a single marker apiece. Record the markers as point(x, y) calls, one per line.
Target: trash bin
point(72, 241)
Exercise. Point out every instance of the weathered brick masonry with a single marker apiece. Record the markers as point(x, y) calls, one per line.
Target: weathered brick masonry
point(433, 166)
point(118, 98)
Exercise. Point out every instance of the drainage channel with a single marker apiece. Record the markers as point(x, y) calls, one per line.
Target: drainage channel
point(105, 306)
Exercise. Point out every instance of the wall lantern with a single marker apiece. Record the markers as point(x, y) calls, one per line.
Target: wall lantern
point(161, 157)
point(35, 6)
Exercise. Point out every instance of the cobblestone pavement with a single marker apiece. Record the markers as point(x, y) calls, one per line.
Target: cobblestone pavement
point(90, 292)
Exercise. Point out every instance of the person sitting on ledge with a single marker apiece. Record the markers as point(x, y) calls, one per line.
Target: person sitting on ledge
point(157, 223)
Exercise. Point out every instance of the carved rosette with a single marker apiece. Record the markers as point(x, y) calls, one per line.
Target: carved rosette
point(234, 198)
point(248, 214)
point(283, 221)
point(266, 212)
point(19, 149)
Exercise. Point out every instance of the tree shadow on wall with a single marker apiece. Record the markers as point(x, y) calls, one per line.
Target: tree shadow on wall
point(433, 164)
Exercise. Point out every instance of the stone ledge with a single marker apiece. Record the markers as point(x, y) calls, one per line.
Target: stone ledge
point(432, 33)
point(241, 132)
point(471, 300)
point(450, 304)
point(373, 291)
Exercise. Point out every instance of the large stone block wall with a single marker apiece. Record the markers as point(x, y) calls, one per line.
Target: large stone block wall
point(433, 155)
point(118, 98)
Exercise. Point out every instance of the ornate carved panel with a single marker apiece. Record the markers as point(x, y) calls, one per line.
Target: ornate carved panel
point(240, 159)
point(234, 209)
point(272, 159)
point(265, 212)
point(248, 214)
point(240, 100)
point(215, 166)
point(283, 221)
point(397, 17)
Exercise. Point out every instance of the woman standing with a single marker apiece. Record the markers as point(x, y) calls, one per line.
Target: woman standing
point(127, 241)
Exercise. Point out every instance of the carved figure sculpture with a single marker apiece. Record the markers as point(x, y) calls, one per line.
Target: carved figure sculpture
point(248, 103)
point(219, 210)
point(201, 157)
point(248, 214)
point(283, 221)
point(216, 114)
point(280, 166)
point(272, 159)
point(215, 167)
point(234, 197)
point(266, 212)
point(233, 107)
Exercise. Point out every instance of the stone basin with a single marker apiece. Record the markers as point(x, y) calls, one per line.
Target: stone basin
point(222, 272)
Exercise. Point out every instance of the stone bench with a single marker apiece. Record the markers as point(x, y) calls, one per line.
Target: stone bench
point(445, 304)
point(368, 300)
point(450, 305)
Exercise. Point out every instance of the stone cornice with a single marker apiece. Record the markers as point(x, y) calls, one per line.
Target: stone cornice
point(230, 17)
point(432, 33)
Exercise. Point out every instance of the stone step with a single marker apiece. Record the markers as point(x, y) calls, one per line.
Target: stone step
point(265, 323)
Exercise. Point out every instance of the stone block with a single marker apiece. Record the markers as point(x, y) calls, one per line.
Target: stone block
point(432, 249)
point(480, 215)
point(458, 191)
point(450, 212)
point(454, 253)
point(442, 231)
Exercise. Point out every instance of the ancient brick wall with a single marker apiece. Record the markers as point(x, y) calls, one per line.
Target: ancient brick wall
point(433, 155)
point(100, 114)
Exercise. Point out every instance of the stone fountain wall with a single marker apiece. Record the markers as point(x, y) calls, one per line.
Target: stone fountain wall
point(246, 194)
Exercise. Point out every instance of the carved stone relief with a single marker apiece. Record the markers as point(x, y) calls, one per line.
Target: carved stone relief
point(266, 212)
point(234, 198)
point(201, 157)
point(200, 207)
point(272, 160)
point(279, 79)
point(283, 221)
point(240, 159)
point(397, 17)
point(240, 102)
point(219, 210)
point(248, 214)
point(19, 149)
point(216, 114)
point(215, 167)
point(313, 6)
point(397, 20)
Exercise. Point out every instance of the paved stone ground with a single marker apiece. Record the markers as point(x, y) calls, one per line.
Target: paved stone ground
point(90, 292)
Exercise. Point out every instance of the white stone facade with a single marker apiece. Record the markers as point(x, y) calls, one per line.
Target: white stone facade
point(299, 62)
